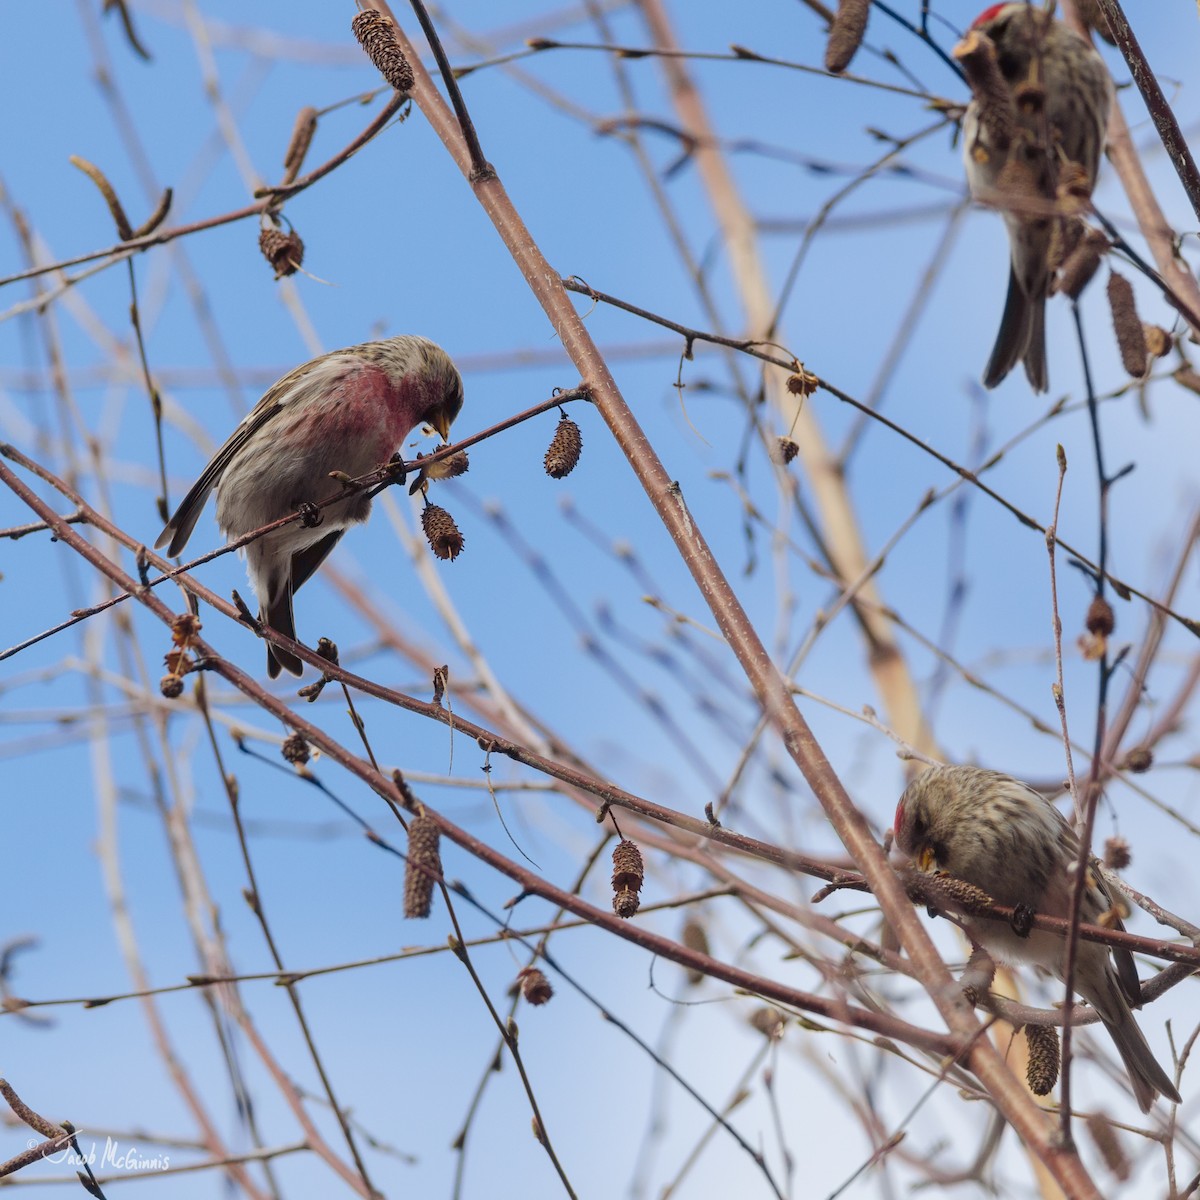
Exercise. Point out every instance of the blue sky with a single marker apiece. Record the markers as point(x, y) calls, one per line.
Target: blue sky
point(396, 243)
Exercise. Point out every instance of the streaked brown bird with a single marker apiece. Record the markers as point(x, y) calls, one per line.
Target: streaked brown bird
point(1061, 98)
point(999, 834)
point(345, 412)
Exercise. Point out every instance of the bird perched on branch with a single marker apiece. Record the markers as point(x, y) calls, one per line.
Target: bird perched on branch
point(335, 418)
point(1003, 837)
point(1032, 138)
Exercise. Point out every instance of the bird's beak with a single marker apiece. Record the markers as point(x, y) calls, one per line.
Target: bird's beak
point(440, 421)
point(925, 860)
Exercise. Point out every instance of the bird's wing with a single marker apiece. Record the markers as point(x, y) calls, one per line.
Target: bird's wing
point(1127, 974)
point(179, 528)
point(306, 561)
point(296, 386)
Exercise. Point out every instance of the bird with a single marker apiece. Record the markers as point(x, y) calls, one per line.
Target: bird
point(1059, 97)
point(339, 415)
point(997, 833)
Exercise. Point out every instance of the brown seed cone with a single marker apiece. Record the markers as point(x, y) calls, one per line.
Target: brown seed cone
point(184, 628)
point(785, 450)
point(443, 535)
point(802, 383)
point(171, 686)
point(1081, 264)
point(1105, 1135)
point(1041, 1071)
point(284, 251)
point(993, 97)
point(628, 869)
point(1100, 619)
point(535, 987)
point(629, 872)
point(1116, 854)
point(846, 34)
point(625, 903)
point(295, 749)
point(177, 662)
point(1139, 760)
point(449, 468)
point(956, 893)
point(565, 449)
point(936, 887)
point(377, 37)
point(1131, 337)
point(423, 867)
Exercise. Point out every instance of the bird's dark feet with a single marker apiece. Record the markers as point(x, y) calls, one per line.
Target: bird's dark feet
point(244, 612)
point(1022, 920)
point(310, 515)
point(397, 471)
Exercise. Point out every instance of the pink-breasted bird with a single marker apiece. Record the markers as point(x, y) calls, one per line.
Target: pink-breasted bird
point(345, 412)
point(1061, 97)
point(999, 834)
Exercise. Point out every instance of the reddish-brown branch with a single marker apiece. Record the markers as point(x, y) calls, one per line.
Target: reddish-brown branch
point(530, 882)
point(270, 199)
point(1160, 111)
point(768, 684)
point(1154, 947)
point(1150, 217)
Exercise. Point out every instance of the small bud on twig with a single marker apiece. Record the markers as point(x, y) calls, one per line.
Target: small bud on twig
point(406, 793)
point(695, 937)
point(769, 1021)
point(1158, 340)
point(116, 210)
